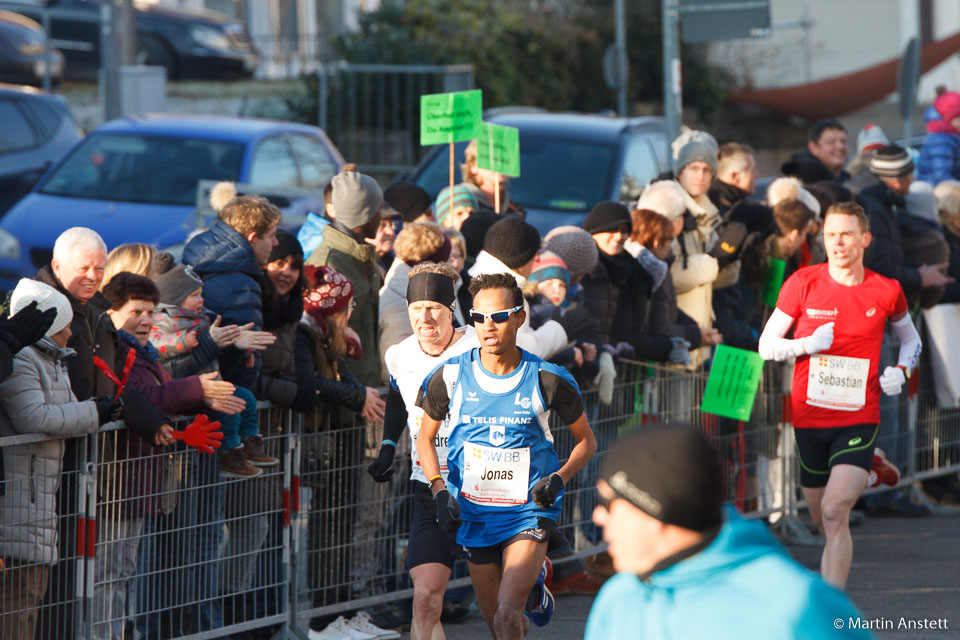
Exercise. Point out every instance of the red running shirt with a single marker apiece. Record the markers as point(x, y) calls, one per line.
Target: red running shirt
point(860, 312)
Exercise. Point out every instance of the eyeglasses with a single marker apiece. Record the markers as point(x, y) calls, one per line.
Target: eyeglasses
point(496, 316)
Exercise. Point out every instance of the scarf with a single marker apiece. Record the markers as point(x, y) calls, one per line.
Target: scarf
point(146, 350)
point(653, 265)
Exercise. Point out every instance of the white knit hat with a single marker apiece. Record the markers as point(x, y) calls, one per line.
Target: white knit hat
point(47, 297)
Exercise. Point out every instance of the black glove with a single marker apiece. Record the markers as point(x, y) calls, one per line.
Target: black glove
point(546, 490)
point(576, 322)
point(108, 410)
point(448, 511)
point(381, 469)
point(26, 326)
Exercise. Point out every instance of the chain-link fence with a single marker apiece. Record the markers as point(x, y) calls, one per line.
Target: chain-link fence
point(126, 537)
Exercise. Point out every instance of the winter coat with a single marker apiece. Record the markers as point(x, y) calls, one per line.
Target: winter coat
point(939, 158)
point(952, 292)
point(742, 579)
point(231, 289)
point(723, 195)
point(543, 342)
point(332, 380)
point(357, 260)
point(394, 319)
point(696, 273)
point(95, 335)
point(809, 169)
point(885, 253)
point(310, 235)
point(37, 398)
point(664, 320)
point(278, 381)
point(601, 296)
point(136, 472)
point(737, 309)
point(168, 336)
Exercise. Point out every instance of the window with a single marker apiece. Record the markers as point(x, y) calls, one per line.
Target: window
point(316, 165)
point(151, 169)
point(16, 132)
point(273, 164)
point(639, 167)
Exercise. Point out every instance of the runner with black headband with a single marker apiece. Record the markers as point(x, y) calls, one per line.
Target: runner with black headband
point(431, 551)
point(496, 402)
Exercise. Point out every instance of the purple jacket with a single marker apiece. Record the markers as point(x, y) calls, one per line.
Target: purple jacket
point(138, 469)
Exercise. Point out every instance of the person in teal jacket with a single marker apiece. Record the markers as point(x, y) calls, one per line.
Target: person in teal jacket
point(690, 568)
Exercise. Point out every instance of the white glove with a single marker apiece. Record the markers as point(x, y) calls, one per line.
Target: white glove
point(606, 377)
point(820, 340)
point(892, 380)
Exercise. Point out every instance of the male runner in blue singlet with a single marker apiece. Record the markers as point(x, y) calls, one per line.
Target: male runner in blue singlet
point(501, 462)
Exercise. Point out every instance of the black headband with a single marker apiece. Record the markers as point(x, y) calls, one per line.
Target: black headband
point(432, 287)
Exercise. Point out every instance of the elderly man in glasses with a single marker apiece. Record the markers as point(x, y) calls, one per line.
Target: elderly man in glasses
point(502, 465)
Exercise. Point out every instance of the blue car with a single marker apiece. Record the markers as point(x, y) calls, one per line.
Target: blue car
point(568, 162)
point(136, 180)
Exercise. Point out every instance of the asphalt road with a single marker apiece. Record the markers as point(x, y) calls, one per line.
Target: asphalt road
point(902, 568)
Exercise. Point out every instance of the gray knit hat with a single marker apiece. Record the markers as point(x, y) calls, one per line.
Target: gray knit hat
point(695, 151)
point(575, 247)
point(175, 285)
point(356, 198)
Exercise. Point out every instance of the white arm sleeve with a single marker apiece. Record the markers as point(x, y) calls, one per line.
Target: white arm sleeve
point(773, 346)
point(910, 343)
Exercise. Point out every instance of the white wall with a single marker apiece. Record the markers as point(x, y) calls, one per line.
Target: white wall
point(845, 36)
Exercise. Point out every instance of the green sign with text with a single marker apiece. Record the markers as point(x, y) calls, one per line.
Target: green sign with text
point(498, 149)
point(733, 383)
point(450, 117)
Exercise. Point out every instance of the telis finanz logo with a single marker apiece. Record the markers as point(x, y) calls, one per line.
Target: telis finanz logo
point(498, 434)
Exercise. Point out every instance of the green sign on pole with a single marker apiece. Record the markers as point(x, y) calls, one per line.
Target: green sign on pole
point(498, 149)
point(771, 288)
point(733, 383)
point(450, 117)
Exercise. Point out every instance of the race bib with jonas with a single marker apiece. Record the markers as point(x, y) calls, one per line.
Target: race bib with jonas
point(495, 477)
point(837, 382)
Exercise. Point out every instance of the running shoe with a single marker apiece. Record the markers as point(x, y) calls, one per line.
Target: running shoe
point(540, 602)
point(578, 583)
point(883, 471)
point(364, 623)
point(339, 629)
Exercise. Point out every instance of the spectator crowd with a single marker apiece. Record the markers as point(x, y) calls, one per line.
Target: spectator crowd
point(253, 312)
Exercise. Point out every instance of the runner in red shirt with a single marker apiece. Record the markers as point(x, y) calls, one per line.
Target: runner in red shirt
point(840, 310)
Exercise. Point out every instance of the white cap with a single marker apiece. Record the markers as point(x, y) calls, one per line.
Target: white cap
point(47, 297)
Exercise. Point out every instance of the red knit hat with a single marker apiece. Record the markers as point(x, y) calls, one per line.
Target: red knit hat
point(947, 105)
point(327, 292)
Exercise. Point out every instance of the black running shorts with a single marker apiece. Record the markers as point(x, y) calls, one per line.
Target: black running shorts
point(428, 543)
point(494, 553)
point(820, 449)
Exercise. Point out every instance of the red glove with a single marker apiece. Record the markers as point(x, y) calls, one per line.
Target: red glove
point(122, 381)
point(201, 434)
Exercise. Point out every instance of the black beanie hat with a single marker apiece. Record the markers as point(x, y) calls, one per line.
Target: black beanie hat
point(671, 473)
point(287, 244)
point(474, 229)
point(512, 241)
point(606, 216)
point(409, 199)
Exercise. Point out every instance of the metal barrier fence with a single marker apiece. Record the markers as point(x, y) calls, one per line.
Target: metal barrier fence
point(372, 111)
point(154, 542)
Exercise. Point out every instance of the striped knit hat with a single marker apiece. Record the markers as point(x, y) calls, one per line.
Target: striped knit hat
point(548, 266)
point(891, 161)
point(462, 197)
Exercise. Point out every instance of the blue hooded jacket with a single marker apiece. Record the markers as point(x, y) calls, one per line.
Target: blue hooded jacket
point(743, 585)
point(231, 289)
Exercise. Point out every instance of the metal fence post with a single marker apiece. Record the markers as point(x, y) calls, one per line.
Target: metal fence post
point(322, 97)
